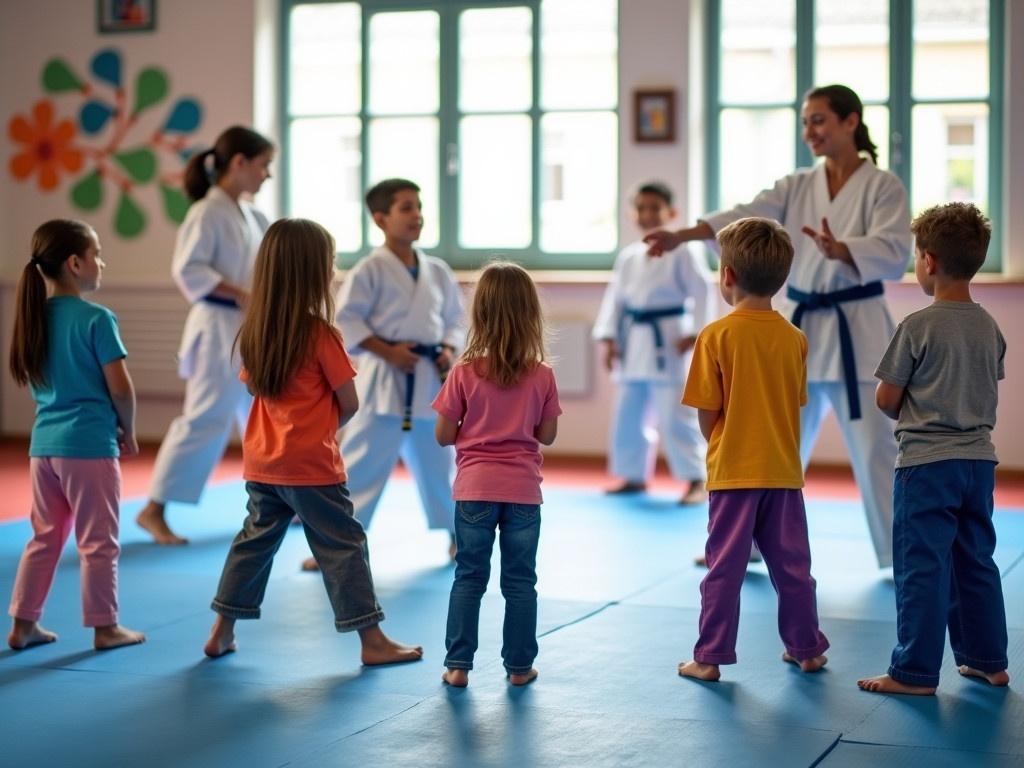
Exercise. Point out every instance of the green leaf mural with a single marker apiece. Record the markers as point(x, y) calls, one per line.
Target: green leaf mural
point(176, 204)
point(150, 88)
point(139, 164)
point(87, 194)
point(130, 219)
point(58, 77)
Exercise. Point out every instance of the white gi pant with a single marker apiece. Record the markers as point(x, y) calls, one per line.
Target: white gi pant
point(872, 449)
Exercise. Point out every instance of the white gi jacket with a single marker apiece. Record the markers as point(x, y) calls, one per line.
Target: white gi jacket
point(379, 297)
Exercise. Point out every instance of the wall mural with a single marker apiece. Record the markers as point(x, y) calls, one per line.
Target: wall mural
point(122, 154)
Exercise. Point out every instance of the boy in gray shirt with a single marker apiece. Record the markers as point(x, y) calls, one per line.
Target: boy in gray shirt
point(938, 379)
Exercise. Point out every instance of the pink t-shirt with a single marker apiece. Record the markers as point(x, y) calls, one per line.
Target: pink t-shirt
point(497, 456)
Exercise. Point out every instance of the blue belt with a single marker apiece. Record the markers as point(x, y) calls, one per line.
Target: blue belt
point(220, 301)
point(648, 317)
point(833, 300)
point(430, 351)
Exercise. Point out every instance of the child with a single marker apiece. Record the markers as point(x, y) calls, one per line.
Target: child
point(748, 380)
point(402, 313)
point(648, 321)
point(69, 352)
point(938, 379)
point(498, 403)
point(295, 364)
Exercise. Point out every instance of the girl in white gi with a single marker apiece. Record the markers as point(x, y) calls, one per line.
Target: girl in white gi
point(649, 318)
point(850, 226)
point(213, 264)
point(402, 316)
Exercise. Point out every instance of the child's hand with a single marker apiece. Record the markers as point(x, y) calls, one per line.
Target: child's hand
point(127, 443)
point(402, 357)
point(685, 343)
point(610, 353)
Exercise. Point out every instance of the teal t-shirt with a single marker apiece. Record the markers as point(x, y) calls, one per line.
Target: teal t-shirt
point(75, 417)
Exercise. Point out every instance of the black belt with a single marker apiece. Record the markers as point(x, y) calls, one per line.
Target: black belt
point(648, 317)
point(833, 300)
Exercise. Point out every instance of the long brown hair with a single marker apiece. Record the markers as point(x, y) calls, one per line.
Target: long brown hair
point(291, 300)
point(53, 243)
point(506, 335)
point(236, 140)
point(844, 101)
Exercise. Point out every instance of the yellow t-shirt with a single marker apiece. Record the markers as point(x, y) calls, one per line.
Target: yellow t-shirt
point(751, 365)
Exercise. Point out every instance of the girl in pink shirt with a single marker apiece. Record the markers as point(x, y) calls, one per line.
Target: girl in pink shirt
point(496, 407)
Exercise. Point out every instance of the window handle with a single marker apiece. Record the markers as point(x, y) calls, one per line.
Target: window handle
point(451, 164)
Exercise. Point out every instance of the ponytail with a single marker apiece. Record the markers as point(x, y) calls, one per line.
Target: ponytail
point(52, 244)
point(234, 141)
point(844, 102)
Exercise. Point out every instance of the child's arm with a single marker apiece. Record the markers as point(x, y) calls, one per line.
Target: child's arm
point(889, 399)
point(707, 420)
point(446, 430)
point(348, 401)
point(546, 431)
point(122, 395)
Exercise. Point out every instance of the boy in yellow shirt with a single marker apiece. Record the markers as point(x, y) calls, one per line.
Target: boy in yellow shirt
point(748, 380)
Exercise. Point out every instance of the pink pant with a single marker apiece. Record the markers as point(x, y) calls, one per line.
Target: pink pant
point(85, 492)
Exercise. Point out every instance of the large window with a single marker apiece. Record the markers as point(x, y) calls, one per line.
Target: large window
point(928, 71)
point(504, 113)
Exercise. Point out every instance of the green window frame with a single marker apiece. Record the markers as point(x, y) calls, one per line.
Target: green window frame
point(449, 116)
point(900, 102)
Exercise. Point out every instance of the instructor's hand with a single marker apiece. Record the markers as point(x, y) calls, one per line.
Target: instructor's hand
point(661, 240)
point(828, 245)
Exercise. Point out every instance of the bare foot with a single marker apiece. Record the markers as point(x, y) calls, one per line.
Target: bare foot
point(700, 671)
point(151, 519)
point(222, 638)
point(992, 678)
point(695, 494)
point(310, 564)
point(378, 648)
point(626, 487)
point(807, 665)
point(25, 634)
point(456, 678)
point(885, 684)
point(115, 636)
point(526, 679)
point(453, 549)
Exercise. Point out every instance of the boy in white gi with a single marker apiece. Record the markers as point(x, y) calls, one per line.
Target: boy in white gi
point(649, 318)
point(402, 316)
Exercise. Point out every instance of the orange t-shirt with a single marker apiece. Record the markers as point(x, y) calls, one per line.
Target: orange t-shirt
point(292, 439)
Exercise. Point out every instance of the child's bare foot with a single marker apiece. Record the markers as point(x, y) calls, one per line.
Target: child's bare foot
point(526, 679)
point(992, 678)
point(222, 638)
point(700, 671)
point(456, 678)
point(453, 549)
point(115, 636)
point(378, 648)
point(807, 665)
point(151, 519)
point(25, 634)
point(310, 564)
point(885, 684)
point(695, 494)
point(626, 487)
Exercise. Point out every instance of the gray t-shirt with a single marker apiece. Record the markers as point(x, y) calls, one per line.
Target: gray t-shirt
point(949, 357)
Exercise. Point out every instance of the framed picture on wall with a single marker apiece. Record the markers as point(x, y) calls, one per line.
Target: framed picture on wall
point(125, 16)
point(654, 113)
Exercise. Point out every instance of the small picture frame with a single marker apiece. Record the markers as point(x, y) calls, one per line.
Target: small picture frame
point(654, 116)
point(115, 16)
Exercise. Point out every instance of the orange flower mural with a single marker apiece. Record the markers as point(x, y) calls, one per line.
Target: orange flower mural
point(47, 148)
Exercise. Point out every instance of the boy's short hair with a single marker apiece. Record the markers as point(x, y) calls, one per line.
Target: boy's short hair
point(759, 251)
point(658, 188)
point(957, 235)
point(381, 195)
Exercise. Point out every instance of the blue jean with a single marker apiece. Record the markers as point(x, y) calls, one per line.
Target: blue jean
point(335, 537)
point(475, 524)
point(943, 540)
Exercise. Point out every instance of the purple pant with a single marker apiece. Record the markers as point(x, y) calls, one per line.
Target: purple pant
point(774, 519)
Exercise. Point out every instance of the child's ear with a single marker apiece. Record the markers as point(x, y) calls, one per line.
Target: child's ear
point(931, 264)
point(728, 276)
point(74, 263)
point(378, 219)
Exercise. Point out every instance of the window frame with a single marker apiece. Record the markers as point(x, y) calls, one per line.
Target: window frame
point(449, 117)
point(900, 103)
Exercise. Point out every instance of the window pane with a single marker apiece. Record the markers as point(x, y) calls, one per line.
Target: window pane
point(756, 149)
point(495, 66)
point(324, 64)
point(950, 48)
point(495, 187)
point(323, 182)
point(950, 160)
point(407, 147)
point(579, 185)
point(758, 51)
point(579, 54)
point(877, 121)
point(852, 46)
point(404, 52)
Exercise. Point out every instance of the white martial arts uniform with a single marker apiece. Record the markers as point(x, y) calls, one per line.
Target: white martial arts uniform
point(647, 405)
point(217, 241)
point(379, 297)
point(871, 217)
